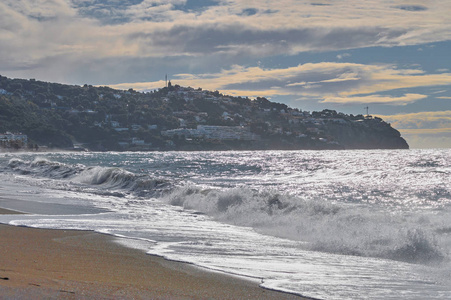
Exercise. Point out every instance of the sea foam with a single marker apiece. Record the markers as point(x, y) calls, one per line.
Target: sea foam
point(328, 227)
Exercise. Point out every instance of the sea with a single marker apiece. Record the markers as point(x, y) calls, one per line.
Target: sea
point(348, 224)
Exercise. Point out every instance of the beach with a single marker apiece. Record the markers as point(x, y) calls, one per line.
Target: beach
point(70, 264)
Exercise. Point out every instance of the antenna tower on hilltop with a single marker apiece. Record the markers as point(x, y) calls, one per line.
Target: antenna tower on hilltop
point(166, 79)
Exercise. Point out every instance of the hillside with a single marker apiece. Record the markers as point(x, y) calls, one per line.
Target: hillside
point(176, 118)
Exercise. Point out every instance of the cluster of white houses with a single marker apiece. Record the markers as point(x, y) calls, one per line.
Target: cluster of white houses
point(214, 132)
point(10, 139)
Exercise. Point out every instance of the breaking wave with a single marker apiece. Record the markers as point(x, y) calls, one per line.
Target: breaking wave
point(44, 168)
point(121, 180)
point(102, 180)
point(323, 226)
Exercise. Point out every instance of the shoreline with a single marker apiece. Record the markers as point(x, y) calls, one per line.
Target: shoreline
point(72, 264)
point(5, 211)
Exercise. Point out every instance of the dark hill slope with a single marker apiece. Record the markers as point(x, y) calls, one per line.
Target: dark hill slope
point(177, 118)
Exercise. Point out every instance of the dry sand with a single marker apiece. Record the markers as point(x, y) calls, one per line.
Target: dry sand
point(67, 264)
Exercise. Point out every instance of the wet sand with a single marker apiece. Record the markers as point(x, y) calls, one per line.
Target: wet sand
point(69, 264)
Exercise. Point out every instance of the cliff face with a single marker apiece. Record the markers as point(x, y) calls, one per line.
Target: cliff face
point(367, 134)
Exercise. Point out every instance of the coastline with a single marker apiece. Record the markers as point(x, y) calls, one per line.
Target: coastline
point(71, 264)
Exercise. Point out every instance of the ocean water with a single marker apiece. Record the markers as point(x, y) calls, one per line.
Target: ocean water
point(370, 224)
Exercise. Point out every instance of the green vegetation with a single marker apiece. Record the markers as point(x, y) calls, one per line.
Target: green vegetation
point(101, 118)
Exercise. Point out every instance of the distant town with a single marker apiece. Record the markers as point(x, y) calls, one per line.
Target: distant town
point(40, 115)
point(15, 141)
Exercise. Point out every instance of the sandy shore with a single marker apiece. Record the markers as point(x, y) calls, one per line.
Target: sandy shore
point(60, 264)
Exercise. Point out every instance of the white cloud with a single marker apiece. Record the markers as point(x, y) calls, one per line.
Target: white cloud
point(344, 83)
point(343, 55)
point(40, 9)
point(404, 100)
point(155, 10)
point(431, 120)
point(155, 28)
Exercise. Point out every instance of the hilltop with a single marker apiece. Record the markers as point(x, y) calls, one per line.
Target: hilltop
point(176, 118)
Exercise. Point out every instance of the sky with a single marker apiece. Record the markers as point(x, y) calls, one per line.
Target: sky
point(392, 56)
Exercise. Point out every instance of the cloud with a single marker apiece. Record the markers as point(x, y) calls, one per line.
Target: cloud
point(427, 138)
point(426, 131)
point(344, 83)
point(41, 10)
point(231, 29)
point(237, 37)
point(441, 91)
point(432, 120)
point(429, 129)
point(343, 55)
point(31, 30)
point(412, 7)
point(391, 78)
point(406, 99)
point(156, 10)
point(103, 42)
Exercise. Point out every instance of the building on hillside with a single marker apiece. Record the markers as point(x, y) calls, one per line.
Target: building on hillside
point(136, 127)
point(9, 139)
point(214, 132)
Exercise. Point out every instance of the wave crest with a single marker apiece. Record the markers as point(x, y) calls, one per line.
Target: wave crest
point(120, 179)
point(333, 228)
point(108, 180)
point(44, 168)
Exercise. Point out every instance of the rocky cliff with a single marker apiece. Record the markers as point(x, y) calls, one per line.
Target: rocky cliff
point(366, 134)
